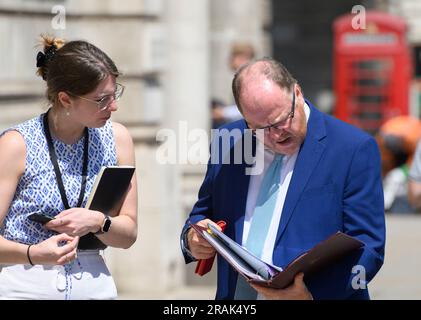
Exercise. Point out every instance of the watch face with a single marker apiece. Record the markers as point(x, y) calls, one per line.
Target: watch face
point(107, 225)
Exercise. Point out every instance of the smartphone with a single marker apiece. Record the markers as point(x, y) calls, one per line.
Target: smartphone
point(40, 217)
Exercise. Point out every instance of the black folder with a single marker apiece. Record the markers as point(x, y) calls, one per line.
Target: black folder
point(107, 196)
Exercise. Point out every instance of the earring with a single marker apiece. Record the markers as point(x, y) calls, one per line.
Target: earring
point(67, 113)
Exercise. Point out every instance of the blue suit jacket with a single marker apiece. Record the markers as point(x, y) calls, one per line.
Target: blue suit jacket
point(336, 185)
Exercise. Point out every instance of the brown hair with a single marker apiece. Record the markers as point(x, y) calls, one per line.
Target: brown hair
point(270, 68)
point(76, 66)
point(242, 48)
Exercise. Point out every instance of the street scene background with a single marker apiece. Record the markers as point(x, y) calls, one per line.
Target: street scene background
point(176, 62)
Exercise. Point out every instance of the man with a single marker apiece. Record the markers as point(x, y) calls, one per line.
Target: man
point(329, 180)
point(414, 181)
point(241, 53)
point(397, 140)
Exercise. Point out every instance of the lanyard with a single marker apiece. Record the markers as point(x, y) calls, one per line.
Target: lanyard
point(53, 158)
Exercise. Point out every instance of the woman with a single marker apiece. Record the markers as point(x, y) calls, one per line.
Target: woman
point(43, 167)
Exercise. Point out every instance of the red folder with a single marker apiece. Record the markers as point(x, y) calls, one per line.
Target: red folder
point(205, 265)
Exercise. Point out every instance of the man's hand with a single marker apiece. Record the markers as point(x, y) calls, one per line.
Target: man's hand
point(296, 291)
point(199, 247)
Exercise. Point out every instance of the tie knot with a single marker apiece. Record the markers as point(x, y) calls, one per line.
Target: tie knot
point(278, 157)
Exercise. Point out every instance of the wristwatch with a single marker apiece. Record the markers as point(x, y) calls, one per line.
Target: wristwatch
point(105, 225)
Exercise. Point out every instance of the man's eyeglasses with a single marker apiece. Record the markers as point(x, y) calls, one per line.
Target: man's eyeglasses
point(280, 124)
point(106, 101)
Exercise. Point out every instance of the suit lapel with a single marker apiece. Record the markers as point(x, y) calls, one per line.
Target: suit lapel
point(308, 157)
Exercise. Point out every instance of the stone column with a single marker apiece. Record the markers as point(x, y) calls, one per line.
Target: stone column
point(183, 76)
point(186, 107)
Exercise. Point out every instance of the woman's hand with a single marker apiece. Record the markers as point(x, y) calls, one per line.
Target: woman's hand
point(51, 251)
point(76, 222)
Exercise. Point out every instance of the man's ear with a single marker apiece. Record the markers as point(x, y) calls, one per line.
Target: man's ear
point(297, 89)
point(64, 99)
point(299, 92)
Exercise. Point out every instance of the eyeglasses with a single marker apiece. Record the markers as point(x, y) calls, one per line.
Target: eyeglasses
point(105, 101)
point(280, 124)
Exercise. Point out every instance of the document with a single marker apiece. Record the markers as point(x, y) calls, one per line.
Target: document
point(257, 271)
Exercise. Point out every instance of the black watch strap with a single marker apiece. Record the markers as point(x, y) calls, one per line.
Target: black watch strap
point(106, 224)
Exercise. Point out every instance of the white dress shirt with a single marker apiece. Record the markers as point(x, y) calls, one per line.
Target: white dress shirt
point(288, 163)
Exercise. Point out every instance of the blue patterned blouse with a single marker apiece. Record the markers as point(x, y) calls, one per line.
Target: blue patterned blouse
point(37, 189)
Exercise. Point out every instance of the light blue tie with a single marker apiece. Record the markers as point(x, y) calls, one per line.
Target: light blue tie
point(262, 216)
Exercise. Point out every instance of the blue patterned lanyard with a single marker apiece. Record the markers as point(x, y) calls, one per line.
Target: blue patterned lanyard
point(68, 276)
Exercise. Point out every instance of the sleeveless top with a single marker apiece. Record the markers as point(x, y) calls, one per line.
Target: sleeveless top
point(37, 190)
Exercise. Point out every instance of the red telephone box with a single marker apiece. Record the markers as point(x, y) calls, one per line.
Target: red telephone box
point(372, 70)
